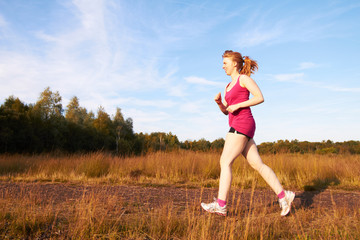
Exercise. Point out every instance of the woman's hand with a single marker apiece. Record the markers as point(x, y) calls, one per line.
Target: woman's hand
point(233, 108)
point(220, 104)
point(218, 98)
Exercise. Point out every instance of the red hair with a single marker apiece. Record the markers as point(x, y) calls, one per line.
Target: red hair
point(245, 65)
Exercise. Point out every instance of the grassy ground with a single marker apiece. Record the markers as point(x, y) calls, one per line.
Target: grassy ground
point(299, 171)
point(98, 213)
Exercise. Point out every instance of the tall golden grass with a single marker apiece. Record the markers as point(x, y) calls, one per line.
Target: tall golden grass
point(102, 215)
point(300, 171)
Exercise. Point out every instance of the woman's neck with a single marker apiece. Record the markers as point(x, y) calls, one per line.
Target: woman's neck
point(235, 76)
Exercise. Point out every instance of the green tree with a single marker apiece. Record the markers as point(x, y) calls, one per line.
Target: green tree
point(48, 122)
point(103, 122)
point(218, 144)
point(172, 142)
point(75, 113)
point(103, 126)
point(49, 105)
point(201, 145)
point(119, 124)
point(15, 129)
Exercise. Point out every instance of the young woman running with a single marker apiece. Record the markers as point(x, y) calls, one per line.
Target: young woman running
point(239, 139)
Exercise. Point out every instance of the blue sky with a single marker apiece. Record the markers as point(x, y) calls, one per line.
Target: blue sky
point(160, 62)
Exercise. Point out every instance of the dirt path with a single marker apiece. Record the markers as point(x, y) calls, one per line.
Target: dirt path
point(152, 197)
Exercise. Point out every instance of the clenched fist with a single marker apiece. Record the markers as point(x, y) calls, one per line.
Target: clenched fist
point(218, 98)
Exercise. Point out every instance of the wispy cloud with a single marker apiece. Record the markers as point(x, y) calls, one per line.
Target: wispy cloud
point(292, 77)
point(191, 107)
point(267, 28)
point(258, 30)
point(4, 28)
point(146, 102)
point(342, 89)
point(298, 78)
point(3, 23)
point(202, 81)
point(146, 58)
point(177, 90)
point(307, 65)
point(87, 57)
point(258, 35)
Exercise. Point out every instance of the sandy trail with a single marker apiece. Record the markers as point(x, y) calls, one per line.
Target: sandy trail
point(152, 197)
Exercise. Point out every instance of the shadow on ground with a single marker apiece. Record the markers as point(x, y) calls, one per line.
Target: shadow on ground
point(316, 187)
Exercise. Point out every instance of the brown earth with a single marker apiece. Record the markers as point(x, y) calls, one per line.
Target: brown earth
point(153, 197)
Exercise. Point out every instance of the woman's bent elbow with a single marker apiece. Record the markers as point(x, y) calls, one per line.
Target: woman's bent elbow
point(261, 99)
point(258, 101)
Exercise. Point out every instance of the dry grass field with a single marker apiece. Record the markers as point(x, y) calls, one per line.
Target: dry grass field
point(157, 196)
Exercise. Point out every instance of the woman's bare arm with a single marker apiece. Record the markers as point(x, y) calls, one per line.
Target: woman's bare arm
point(220, 103)
point(253, 88)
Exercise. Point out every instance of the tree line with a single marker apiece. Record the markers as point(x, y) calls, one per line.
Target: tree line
point(46, 127)
point(323, 147)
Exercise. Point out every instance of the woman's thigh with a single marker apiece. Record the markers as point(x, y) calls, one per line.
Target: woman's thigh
point(234, 146)
point(251, 154)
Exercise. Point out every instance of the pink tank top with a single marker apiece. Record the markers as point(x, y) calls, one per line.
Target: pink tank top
point(242, 119)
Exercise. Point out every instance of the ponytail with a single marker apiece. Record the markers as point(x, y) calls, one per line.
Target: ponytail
point(249, 67)
point(245, 65)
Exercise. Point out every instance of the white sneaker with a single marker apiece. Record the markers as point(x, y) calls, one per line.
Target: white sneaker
point(285, 203)
point(214, 207)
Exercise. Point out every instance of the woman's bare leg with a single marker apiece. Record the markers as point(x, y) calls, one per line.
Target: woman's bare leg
point(234, 146)
point(252, 156)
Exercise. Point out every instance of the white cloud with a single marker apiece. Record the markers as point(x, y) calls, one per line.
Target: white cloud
point(259, 35)
point(4, 28)
point(3, 23)
point(274, 25)
point(19, 76)
point(150, 121)
point(177, 91)
point(151, 103)
point(342, 89)
point(145, 117)
point(298, 78)
point(307, 65)
point(125, 53)
point(190, 107)
point(82, 60)
point(293, 77)
point(91, 15)
point(103, 50)
point(202, 81)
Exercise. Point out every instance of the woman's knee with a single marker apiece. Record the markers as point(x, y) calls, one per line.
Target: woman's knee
point(226, 162)
point(257, 165)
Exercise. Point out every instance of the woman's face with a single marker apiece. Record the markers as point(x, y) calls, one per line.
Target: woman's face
point(229, 66)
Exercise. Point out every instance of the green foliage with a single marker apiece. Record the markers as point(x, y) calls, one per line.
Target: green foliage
point(75, 113)
point(324, 147)
point(42, 127)
point(15, 129)
point(200, 145)
point(158, 141)
point(49, 105)
point(218, 144)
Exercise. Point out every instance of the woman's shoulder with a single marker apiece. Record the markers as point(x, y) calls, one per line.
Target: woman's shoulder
point(243, 79)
